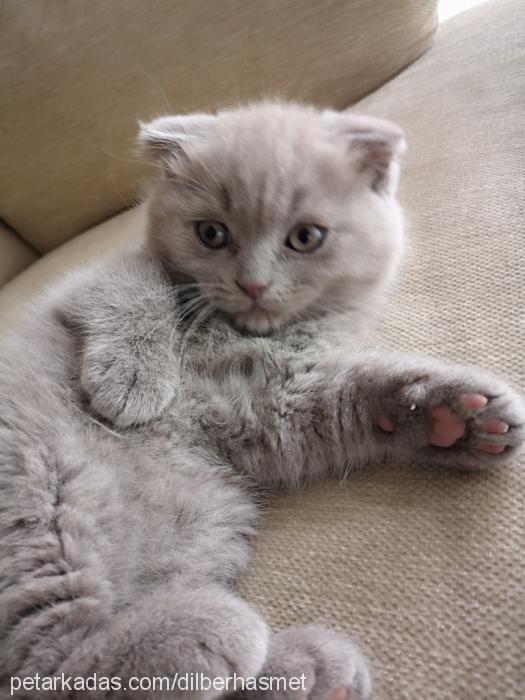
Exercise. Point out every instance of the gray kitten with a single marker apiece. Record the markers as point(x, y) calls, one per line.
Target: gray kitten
point(146, 403)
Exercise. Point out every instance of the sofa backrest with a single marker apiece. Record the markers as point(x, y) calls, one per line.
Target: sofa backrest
point(76, 76)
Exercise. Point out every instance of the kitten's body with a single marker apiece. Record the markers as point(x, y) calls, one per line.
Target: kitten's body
point(99, 520)
point(136, 436)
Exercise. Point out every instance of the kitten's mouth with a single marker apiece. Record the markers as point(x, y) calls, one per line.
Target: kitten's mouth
point(258, 319)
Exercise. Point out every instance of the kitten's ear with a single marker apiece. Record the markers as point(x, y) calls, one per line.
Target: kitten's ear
point(165, 140)
point(374, 146)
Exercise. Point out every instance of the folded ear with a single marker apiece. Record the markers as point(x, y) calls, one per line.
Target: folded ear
point(165, 140)
point(374, 146)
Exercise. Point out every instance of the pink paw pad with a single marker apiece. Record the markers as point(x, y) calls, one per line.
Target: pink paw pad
point(339, 694)
point(385, 424)
point(446, 427)
point(473, 401)
point(492, 449)
point(496, 427)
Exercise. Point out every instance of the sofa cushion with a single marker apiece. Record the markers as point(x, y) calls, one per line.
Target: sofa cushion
point(423, 566)
point(15, 255)
point(109, 238)
point(77, 76)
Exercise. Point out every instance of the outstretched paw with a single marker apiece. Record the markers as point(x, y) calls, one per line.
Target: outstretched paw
point(471, 419)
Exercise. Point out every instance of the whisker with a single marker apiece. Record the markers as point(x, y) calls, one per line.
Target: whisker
point(155, 83)
point(189, 307)
point(210, 174)
point(132, 161)
point(193, 184)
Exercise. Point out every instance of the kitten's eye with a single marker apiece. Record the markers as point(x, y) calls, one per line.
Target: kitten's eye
point(213, 234)
point(306, 239)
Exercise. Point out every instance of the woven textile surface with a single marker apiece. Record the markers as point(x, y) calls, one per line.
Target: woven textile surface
point(426, 567)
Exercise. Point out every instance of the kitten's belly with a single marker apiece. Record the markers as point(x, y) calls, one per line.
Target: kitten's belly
point(173, 512)
point(142, 506)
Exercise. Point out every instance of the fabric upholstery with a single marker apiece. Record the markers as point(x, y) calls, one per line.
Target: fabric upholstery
point(424, 566)
point(77, 76)
point(108, 238)
point(15, 255)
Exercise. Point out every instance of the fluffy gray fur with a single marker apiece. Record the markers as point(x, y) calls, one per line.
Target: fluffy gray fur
point(146, 403)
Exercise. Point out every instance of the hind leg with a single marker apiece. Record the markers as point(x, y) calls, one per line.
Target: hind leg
point(54, 590)
point(174, 630)
point(58, 605)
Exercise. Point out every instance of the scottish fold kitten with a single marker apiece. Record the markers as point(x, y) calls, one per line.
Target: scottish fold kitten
point(148, 400)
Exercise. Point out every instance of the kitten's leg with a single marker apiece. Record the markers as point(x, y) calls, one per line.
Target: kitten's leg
point(328, 664)
point(125, 318)
point(54, 587)
point(57, 602)
point(175, 630)
point(309, 419)
point(57, 596)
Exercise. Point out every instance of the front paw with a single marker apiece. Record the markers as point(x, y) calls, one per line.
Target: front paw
point(124, 391)
point(456, 415)
point(327, 663)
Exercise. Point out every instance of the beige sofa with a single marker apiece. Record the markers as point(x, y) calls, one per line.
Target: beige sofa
point(424, 567)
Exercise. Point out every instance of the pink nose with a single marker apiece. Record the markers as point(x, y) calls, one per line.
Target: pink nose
point(253, 289)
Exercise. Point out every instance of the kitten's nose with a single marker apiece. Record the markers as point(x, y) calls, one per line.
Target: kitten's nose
point(253, 289)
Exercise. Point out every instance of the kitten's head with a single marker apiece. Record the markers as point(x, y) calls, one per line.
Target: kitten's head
point(276, 211)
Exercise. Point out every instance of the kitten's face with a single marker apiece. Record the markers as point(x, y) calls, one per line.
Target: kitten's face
point(275, 211)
